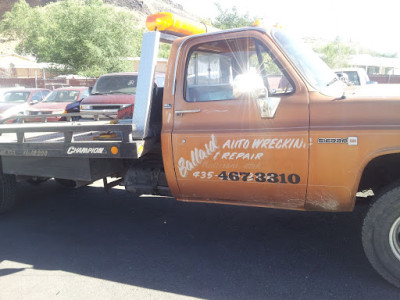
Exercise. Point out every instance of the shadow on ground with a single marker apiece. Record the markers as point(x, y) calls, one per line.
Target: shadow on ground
point(199, 250)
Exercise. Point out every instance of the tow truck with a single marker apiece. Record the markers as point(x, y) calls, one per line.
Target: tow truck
point(247, 116)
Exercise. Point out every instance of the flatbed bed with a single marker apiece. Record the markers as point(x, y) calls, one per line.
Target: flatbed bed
point(83, 151)
point(99, 139)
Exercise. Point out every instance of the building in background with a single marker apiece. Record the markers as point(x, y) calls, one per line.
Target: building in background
point(376, 65)
point(18, 66)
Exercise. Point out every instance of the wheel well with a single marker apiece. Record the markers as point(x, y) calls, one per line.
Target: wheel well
point(380, 172)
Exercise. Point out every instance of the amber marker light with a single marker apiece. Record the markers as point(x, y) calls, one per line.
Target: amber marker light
point(140, 150)
point(114, 150)
point(168, 22)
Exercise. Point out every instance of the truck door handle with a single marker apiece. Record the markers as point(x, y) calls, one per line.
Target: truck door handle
point(189, 111)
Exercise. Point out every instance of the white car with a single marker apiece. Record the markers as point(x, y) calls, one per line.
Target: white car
point(354, 76)
point(15, 101)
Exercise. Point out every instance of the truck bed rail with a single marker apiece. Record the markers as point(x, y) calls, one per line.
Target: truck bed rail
point(94, 139)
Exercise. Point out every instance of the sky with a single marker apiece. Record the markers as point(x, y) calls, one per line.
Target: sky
point(372, 24)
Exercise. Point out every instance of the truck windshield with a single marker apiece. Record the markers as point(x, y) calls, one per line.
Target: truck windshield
point(314, 70)
point(121, 84)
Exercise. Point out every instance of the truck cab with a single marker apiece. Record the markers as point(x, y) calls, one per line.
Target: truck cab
point(255, 108)
point(237, 116)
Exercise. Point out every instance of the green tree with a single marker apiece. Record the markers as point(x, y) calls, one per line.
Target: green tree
point(230, 18)
point(336, 54)
point(164, 50)
point(84, 36)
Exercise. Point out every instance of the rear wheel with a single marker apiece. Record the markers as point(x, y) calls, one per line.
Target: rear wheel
point(381, 235)
point(8, 190)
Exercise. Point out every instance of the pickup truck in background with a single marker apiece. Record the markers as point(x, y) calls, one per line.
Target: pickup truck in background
point(354, 76)
point(113, 92)
point(248, 116)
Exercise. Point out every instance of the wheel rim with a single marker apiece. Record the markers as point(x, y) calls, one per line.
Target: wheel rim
point(394, 238)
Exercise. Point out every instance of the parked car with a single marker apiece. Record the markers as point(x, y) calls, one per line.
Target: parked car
point(7, 89)
point(354, 76)
point(113, 92)
point(56, 102)
point(16, 101)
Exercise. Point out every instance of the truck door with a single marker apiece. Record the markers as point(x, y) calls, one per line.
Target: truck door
point(240, 131)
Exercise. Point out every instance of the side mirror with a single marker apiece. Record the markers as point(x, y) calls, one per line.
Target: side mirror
point(90, 90)
point(34, 101)
point(251, 86)
point(268, 106)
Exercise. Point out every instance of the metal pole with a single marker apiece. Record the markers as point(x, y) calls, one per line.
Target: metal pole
point(144, 90)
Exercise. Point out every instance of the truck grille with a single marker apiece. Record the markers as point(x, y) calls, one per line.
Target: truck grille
point(115, 107)
point(37, 113)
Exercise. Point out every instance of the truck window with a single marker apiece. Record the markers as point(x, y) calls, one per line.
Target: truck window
point(215, 70)
point(85, 93)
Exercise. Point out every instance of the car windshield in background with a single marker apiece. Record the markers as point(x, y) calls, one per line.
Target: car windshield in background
point(312, 67)
point(353, 77)
point(116, 85)
point(15, 97)
point(62, 96)
point(160, 81)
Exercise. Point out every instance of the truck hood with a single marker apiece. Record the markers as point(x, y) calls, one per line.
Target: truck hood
point(49, 106)
point(109, 99)
point(377, 91)
point(10, 109)
point(7, 106)
point(363, 107)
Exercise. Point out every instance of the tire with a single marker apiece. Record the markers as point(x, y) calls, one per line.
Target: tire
point(66, 182)
point(8, 190)
point(381, 235)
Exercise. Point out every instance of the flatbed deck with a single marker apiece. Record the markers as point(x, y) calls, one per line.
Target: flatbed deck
point(97, 139)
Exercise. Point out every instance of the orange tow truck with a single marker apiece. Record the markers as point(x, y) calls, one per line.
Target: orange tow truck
point(247, 116)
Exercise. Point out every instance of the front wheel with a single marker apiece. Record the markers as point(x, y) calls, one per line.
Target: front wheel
point(8, 190)
point(381, 235)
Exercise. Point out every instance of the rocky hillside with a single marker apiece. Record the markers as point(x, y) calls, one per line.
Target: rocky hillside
point(141, 7)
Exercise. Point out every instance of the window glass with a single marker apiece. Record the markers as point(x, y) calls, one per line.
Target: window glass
point(232, 69)
point(119, 84)
point(45, 93)
point(353, 77)
point(315, 71)
point(62, 96)
point(37, 96)
point(16, 97)
point(84, 94)
point(160, 80)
